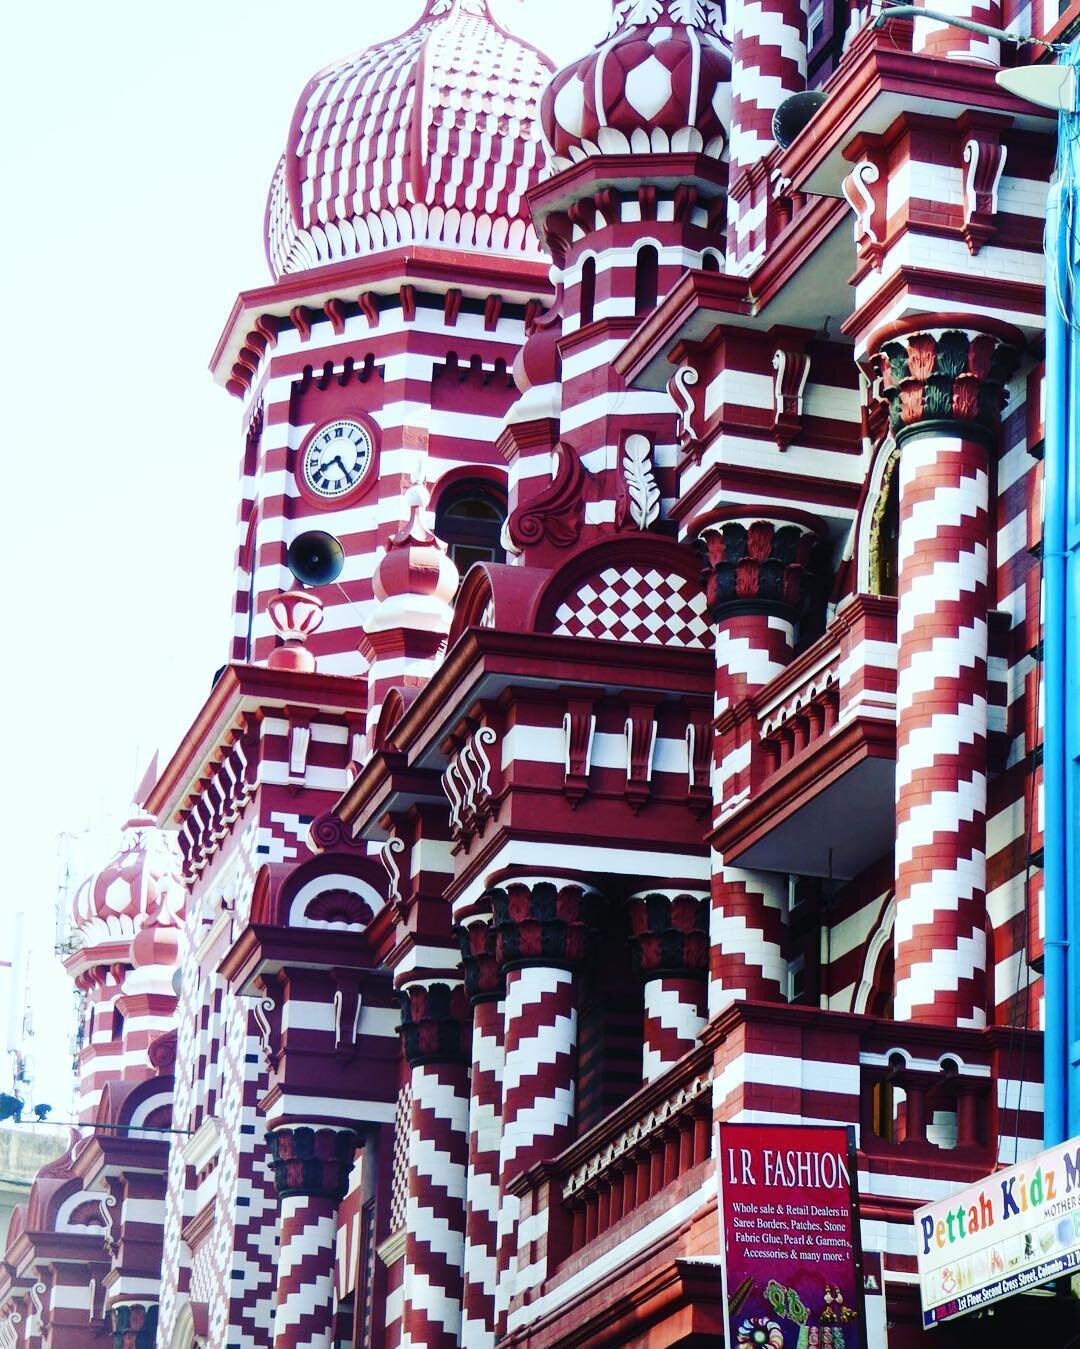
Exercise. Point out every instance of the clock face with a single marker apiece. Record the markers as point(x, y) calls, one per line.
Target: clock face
point(336, 459)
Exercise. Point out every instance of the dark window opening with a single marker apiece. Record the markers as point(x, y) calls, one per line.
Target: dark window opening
point(588, 291)
point(710, 263)
point(345, 1323)
point(469, 519)
point(117, 1024)
point(647, 280)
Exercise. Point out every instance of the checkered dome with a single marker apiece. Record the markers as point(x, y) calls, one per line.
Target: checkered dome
point(631, 605)
point(655, 87)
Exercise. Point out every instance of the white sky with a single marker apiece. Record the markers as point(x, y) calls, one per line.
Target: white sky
point(139, 144)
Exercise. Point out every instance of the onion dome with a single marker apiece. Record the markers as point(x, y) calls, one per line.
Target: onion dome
point(139, 886)
point(430, 138)
point(660, 83)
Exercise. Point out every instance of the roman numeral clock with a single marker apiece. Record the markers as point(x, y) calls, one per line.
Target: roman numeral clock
point(337, 461)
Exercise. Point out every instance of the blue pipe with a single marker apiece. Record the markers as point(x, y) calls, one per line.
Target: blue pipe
point(1059, 1092)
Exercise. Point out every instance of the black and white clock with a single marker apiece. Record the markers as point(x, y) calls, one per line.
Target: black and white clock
point(337, 459)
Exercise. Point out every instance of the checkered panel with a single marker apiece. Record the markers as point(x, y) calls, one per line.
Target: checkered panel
point(633, 606)
point(399, 1185)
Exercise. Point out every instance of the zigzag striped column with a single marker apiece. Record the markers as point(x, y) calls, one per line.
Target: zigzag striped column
point(946, 390)
point(485, 989)
point(670, 944)
point(542, 937)
point(311, 1167)
point(768, 63)
point(934, 38)
point(435, 1018)
point(758, 578)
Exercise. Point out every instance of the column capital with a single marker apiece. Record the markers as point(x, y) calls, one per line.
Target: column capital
point(670, 933)
point(435, 1023)
point(758, 565)
point(312, 1161)
point(133, 1325)
point(479, 958)
point(946, 373)
point(542, 922)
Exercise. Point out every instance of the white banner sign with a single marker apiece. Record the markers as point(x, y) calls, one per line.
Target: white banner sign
point(1012, 1231)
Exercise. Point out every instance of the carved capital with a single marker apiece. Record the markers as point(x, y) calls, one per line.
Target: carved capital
point(134, 1325)
point(435, 1024)
point(312, 1162)
point(954, 377)
point(542, 923)
point(763, 565)
point(670, 934)
point(483, 975)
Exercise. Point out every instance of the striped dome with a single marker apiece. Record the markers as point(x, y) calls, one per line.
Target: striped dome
point(430, 138)
point(659, 84)
point(141, 884)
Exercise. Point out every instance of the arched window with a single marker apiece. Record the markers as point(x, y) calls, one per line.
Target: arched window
point(710, 263)
point(469, 518)
point(587, 306)
point(647, 280)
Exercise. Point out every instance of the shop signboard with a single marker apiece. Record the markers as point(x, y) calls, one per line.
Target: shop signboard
point(789, 1227)
point(1013, 1231)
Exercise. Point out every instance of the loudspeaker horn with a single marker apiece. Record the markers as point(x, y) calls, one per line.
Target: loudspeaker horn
point(315, 558)
point(795, 115)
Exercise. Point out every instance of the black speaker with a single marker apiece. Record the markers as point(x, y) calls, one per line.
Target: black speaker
point(315, 558)
point(794, 115)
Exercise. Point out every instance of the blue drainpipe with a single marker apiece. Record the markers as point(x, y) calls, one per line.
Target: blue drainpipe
point(1061, 649)
point(1057, 1089)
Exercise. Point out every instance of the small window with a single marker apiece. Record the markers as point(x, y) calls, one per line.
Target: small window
point(710, 263)
point(469, 519)
point(647, 280)
point(587, 305)
point(797, 984)
point(117, 1025)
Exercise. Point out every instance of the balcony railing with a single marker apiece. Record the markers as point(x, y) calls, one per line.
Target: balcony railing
point(639, 1150)
point(824, 728)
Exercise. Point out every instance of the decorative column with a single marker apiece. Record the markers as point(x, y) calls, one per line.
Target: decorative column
point(671, 954)
point(434, 1032)
point(485, 989)
point(768, 63)
point(934, 38)
point(758, 579)
point(946, 389)
point(134, 1325)
point(542, 938)
point(311, 1165)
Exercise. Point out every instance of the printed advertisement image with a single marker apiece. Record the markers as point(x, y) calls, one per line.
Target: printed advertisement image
point(789, 1228)
point(1013, 1231)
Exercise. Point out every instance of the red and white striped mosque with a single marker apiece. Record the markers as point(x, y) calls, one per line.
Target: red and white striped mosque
point(667, 750)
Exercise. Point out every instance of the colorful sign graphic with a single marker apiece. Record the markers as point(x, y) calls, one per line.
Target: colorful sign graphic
point(1013, 1231)
point(789, 1225)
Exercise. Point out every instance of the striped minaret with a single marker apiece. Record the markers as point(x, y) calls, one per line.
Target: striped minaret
point(934, 38)
point(434, 1023)
point(670, 942)
point(485, 988)
point(757, 581)
point(768, 63)
point(542, 939)
point(946, 390)
point(311, 1167)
